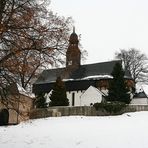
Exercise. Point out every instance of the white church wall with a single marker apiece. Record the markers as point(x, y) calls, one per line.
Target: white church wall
point(70, 95)
point(81, 98)
point(74, 98)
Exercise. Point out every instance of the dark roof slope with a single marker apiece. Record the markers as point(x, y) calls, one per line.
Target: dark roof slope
point(104, 68)
point(70, 86)
point(49, 75)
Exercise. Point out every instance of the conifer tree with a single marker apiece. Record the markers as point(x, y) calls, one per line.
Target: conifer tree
point(59, 96)
point(40, 101)
point(118, 90)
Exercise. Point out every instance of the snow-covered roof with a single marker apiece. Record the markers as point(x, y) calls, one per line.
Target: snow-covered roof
point(77, 79)
point(67, 80)
point(89, 71)
point(93, 77)
point(24, 92)
point(97, 77)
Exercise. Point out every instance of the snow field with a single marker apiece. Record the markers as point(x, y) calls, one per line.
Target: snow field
point(129, 130)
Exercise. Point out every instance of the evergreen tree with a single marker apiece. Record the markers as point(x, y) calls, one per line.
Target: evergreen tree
point(40, 101)
point(59, 96)
point(118, 90)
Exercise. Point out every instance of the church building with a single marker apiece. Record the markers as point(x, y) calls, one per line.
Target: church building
point(80, 79)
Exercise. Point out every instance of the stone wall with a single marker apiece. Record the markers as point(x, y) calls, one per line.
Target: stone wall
point(80, 111)
point(137, 107)
point(63, 111)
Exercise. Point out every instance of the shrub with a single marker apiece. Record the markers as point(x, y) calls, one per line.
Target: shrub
point(110, 107)
point(98, 106)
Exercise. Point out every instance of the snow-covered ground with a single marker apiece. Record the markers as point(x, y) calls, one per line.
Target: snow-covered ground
point(129, 130)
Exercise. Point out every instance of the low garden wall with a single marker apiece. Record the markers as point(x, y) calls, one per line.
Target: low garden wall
point(80, 111)
point(137, 107)
point(62, 111)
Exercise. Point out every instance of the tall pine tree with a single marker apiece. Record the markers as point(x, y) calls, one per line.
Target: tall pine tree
point(118, 90)
point(59, 96)
point(40, 101)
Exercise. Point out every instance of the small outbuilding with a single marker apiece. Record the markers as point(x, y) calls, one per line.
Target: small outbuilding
point(140, 98)
point(19, 105)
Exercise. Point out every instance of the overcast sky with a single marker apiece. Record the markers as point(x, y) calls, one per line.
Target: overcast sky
point(107, 25)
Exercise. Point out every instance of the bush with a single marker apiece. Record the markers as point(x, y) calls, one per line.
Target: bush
point(98, 106)
point(110, 107)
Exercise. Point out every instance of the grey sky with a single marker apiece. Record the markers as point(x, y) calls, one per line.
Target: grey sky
point(107, 25)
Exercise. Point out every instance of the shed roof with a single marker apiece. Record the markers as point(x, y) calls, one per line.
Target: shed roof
point(140, 95)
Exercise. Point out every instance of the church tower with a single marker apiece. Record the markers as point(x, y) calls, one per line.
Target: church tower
point(73, 54)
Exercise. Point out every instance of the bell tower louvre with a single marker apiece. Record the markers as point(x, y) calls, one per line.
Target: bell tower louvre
point(73, 54)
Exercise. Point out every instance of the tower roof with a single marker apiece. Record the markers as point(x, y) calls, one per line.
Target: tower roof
point(73, 37)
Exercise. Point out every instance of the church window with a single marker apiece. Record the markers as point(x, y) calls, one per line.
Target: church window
point(69, 62)
point(73, 99)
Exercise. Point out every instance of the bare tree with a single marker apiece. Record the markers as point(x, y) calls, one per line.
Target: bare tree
point(26, 25)
point(136, 63)
point(31, 36)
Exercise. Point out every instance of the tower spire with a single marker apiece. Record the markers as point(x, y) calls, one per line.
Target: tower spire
point(73, 29)
point(73, 54)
